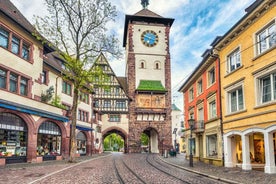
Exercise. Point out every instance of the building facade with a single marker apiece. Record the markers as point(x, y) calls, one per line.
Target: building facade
point(201, 93)
point(32, 127)
point(148, 73)
point(110, 102)
point(248, 88)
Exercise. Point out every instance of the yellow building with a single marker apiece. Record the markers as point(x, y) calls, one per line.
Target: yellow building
point(248, 88)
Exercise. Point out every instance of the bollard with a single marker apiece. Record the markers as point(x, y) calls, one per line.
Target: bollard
point(166, 154)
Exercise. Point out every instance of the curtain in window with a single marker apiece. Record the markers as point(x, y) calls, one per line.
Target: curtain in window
point(15, 45)
point(240, 99)
point(23, 86)
point(13, 82)
point(3, 78)
point(266, 89)
point(233, 99)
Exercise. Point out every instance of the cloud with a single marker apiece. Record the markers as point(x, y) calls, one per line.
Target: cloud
point(196, 25)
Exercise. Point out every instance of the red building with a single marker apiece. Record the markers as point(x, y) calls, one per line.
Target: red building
point(201, 93)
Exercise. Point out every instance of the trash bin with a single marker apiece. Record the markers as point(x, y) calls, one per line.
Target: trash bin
point(166, 154)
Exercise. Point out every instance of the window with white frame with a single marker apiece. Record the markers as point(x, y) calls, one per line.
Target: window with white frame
point(212, 109)
point(211, 76)
point(212, 145)
point(199, 87)
point(200, 114)
point(114, 118)
point(191, 94)
point(234, 60)
point(235, 100)
point(266, 38)
point(266, 85)
point(107, 104)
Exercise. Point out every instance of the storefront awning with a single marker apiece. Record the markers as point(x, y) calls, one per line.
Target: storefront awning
point(31, 110)
point(83, 128)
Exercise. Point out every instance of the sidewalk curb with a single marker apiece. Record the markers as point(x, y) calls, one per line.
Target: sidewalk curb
point(203, 174)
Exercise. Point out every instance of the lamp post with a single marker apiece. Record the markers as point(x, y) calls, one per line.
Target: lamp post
point(191, 124)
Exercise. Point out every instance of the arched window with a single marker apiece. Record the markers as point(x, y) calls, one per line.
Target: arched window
point(157, 65)
point(48, 140)
point(81, 143)
point(142, 64)
point(13, 136)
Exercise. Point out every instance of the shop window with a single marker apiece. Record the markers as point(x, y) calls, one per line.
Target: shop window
point(81, 143)
point(212, 145)
point(48, 139)
point(13, 135)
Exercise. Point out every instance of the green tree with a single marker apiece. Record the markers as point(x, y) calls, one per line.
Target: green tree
point(113, 142)
point(78, 29)
point(144, 139)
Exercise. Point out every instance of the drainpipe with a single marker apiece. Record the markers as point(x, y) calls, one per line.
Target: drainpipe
point(220, 115)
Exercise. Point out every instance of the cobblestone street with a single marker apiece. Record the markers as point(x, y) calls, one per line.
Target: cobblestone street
point(100, 169)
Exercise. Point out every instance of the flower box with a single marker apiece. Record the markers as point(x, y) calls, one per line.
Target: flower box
point(2, 161)
point(58, 157)
point(39, 159)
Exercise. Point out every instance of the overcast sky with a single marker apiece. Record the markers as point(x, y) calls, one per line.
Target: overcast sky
point(197, 23)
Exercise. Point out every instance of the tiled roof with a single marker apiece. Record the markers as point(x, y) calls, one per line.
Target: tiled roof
point(175, 108)
point(147, 13)
point(151, 85)
point(12, 12)
point(123, 82)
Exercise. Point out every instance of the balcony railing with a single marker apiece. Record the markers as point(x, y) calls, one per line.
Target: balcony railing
point(199, 126)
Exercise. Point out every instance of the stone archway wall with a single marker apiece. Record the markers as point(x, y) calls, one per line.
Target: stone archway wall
point(122, 133)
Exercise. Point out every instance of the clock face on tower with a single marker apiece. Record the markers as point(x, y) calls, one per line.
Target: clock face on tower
point(149, 38)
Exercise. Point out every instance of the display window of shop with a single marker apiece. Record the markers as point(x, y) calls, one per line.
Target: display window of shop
point(13, 135)
point(48, 139)
point(212, 145)
point(81, 143)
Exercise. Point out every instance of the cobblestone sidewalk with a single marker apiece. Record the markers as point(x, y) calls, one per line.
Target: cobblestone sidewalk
point(235, 175)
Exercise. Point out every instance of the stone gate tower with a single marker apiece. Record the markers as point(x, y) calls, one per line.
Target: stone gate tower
point(148, 73)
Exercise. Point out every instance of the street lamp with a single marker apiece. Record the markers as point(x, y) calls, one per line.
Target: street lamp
point(191, 124)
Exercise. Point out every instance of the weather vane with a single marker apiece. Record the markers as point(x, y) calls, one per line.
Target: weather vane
point(145, 3)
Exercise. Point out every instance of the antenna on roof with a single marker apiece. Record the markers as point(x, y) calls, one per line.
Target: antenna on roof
point(145, 3)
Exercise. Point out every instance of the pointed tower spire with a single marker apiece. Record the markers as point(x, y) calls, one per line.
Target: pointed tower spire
point(145, 3)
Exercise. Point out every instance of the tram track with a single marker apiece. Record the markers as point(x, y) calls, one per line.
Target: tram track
point(124, 177)
point(166, 172)
point(196, 176)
